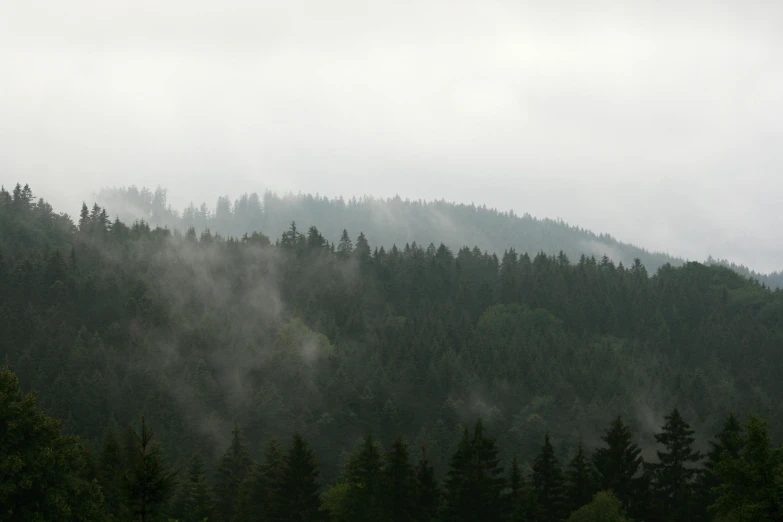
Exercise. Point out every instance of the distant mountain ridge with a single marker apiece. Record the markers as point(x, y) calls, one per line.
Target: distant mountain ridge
point(391, 221)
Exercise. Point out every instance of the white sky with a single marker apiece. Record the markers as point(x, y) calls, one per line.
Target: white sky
point(658, 122)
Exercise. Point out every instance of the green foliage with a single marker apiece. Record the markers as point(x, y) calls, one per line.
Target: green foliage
point(605, 507)
point(41, 471)
point(726, 446)
point(398, 484)
point(333, 502)
point(619, 464)
point(548, 484)
point(335, 339)
point(390, 221)
point(297, 498)
point(111, 476)
point(474, 483)
point(676, 472)
point(428, 493)
point(365, 499)
point(751, 485)
point(259, 491)
point(233, 470)
point(579, 480)
point(194, 500)
point(150, 485)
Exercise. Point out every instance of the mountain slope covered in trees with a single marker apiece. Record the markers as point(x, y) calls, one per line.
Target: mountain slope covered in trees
point(332, 341)
point(389, 222)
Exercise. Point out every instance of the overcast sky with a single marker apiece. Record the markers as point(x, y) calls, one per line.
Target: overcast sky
point(658, 122)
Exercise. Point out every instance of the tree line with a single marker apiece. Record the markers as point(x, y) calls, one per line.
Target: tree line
point(389, 221)
point(48, 476)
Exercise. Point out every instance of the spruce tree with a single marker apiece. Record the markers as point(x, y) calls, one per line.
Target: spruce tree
point(548, 484)
point(675, 473)
point(579, 483)
point(474, 483)
point(364, 499)
point(398, 483)
point(459, 506)
point(149, 483)
point(618, 466)
point(84, 218)
point(232, 471)
point(518, 505)
point(297, 497)
point(195, 496)
point(726, 446)
point(345, 246)
point(362, 250)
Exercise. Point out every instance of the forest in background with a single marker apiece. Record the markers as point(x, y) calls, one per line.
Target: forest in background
point(334, 340)
point(391, 221)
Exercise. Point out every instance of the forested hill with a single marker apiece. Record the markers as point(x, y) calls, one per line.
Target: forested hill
point(110, 321)
point(390, 222)
point(387, 221)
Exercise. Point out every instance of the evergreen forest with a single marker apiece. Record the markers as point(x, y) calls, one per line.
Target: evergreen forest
point(392, 221)
point(163, 369)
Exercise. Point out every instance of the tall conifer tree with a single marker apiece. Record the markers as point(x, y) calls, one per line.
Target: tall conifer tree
point(579, 485)
point(399, 483)
point(548, 484)
point(150, 484)
point(618, 466)
point(675, 473)
point(297, 497)
point(232, 471)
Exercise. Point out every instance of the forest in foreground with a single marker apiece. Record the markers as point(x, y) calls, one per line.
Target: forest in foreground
point(343, 351)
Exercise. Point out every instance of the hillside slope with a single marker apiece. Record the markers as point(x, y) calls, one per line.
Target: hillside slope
point(391, 222)
point(109, 322)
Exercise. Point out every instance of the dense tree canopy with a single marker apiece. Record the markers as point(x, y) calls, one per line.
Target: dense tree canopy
point(199, 332)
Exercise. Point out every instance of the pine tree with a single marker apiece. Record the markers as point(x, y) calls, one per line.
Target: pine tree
point(579, 488)
point(297, 499)
point(675, 473)
point(617, 466)
point(398, 483)
point(149, 483)
point(548, 483)
point(232, 471)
